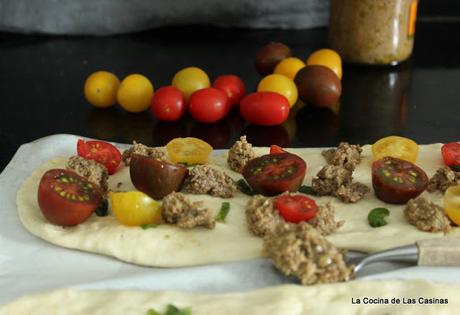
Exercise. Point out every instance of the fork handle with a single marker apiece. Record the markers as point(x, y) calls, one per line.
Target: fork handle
point(443, 251)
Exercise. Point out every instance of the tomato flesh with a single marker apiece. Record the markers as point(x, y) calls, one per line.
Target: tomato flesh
point(101, 152)
point(154, 177)
point(452, 203)
point(273, 174)
point(396, 180)
point(451, 153)
point(296, 208)
point(274, 149)
point(397, 147)
point(65, 198)
point(135, 208)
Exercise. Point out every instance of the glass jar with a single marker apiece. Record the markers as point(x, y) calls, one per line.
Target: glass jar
point(378, 32)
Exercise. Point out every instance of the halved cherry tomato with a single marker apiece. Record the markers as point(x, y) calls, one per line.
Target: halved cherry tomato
point(209, 105)
point(65, 198)
point(396, 181)
point(168, 103)
point(135, 208)
point(100, 151)
point(452, 203)
point(272, 174)
point(451, 154)
point(274, 149)
point(395, 146)
point(154, 177)
point(232, 86)
point(188, 151)
point(265, 108)
point(296, 208)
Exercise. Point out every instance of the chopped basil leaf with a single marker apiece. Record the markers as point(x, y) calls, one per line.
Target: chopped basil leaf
point(171, 310)
point(244, 187)
point(308, 190)
point(224, 210)
point(103, 209)
point(377, 216)
point(455, 168)
point(148, 226)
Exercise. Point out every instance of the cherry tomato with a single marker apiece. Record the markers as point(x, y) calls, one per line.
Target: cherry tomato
point(135, 93)
point(232, 86)
point(289, 67)
point(154, 177)
point(451, 154)
point(188, 150)
point(168, 103)
point(396, 181)
point(269, 56)
point(135, 208)
point(280, 84)
point(265, 108)
point(398, 147)
point(101, 89)
point(272, 174)
point(66, 198)
point(189, 80)
point(296, 208)
point(452, 203)
point(274, 149)
point(100, 151)
point(328, 58)
point(209, 105)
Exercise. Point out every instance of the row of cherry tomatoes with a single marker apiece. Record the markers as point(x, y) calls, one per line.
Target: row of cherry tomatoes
point(286, 78)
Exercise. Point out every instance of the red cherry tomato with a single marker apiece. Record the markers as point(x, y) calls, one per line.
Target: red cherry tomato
point(100, 151)
point(451, 154)
point(168, 103)
point(265, 108)
point(209, 105)
point(274, 149)
point(232, 86)
point(66, 198)
point(296, 208)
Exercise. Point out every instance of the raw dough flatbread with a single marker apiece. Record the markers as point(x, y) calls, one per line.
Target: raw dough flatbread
point(280, 300)
point(168, 246)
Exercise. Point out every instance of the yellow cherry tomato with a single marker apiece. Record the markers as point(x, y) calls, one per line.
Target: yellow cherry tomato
point(101, 89)
point(135, 93)
point(135, 208)
point(289, 67)
point(452, 203)
point(188, 151)
point(398, 147)
point(189, 80)
point(328, 58)
point(279, 84)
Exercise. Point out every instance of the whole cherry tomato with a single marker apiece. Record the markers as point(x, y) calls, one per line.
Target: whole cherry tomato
point(232, 86)
point(280, 84)
point(168, 103)
point(189, 80)
point(100, 151)
point(328, 58)
point(209, 105)
point(265, 108)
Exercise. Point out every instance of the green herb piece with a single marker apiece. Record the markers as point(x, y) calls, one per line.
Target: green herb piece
point(224, 210)
point(377, 216)
point(148, 226)
point(171, 310)
point(244, 187)
point(308, 190)
point(455, 168)
point(103, 209)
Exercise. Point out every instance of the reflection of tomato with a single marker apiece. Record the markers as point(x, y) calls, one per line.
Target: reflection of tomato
point(451, 154)
point(396, 181)
point(272, 174)
point(209, 105)
point(104, 123)
point(66, 198)
point(168, 103)
point(265, 108)
point(265, 136)
point(135, 208)
point(398, 147)
point(216, 134)
point(296, 208)
point(232, 86)
point(189, 80)
point(188, 151)
point(138, 126)
point(165, 131)
point(281, 84)
point(100, 151)
point(328, 58)
point(452, 203)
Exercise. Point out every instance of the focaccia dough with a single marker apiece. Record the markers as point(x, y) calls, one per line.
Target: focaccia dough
point(169, 246)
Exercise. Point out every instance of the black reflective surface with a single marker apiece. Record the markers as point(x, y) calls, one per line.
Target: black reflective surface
point(41, 83)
